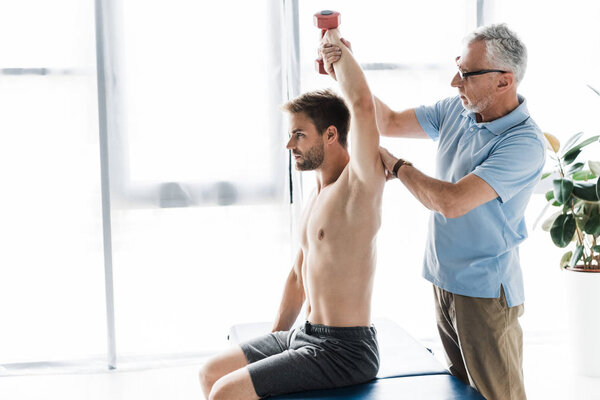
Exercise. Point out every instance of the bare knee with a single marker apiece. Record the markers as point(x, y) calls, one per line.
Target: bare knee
point(219, 367)
point(236, 385)
point(208, 376)
point(218, 391)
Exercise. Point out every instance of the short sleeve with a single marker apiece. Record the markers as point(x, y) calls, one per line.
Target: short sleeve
point(431, 117)
point(513, 164)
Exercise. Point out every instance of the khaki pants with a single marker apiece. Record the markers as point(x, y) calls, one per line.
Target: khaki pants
point(483, 342)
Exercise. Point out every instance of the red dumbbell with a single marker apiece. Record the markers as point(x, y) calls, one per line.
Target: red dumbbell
point(324, 20)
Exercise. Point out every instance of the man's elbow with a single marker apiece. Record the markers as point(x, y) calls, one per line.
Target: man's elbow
point(296, 281)
point(363, 105)
point(452, 212)
point(451, 206)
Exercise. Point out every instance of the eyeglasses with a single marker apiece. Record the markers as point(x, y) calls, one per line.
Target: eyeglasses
point(464, 75)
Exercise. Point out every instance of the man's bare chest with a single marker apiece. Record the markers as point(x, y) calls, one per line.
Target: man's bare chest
point(332, 216)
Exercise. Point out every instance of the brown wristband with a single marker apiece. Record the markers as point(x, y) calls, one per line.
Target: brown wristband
point(398, 164)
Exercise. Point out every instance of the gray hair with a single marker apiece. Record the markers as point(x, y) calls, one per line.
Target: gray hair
point(504, 49)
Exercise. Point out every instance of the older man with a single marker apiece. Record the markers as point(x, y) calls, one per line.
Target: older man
point(490, 157)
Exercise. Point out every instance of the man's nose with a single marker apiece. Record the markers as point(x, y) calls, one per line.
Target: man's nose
point(456, 81)
point(290, 144)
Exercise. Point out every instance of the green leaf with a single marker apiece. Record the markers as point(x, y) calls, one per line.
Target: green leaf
point(574, 168)
point(586, 142)
point(581, 221)
point(591, 209)
point(576, 256)
point(577, 149)
point(564, 261)
point(569, 143)
point(567, 206)
point(596, 248)
point(598, 188)
point(562, 189)
point(562, 230)
point(597, 92)
point(545, 175)
point(547, 224)
point(583, 214)
point(583, 176)
point(587, 191)
point(571, 156)
point(549, 195)
point(592, 226)
point(594, 167)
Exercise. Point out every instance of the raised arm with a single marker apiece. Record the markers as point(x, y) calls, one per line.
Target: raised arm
point(364, 137)
point(293, 297)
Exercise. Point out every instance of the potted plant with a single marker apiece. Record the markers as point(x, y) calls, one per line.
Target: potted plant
point(575, 226)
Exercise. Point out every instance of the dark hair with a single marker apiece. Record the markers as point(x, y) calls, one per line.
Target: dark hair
point(324, 108)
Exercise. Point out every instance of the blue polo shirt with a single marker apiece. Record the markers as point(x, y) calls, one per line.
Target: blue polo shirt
point(474, 255)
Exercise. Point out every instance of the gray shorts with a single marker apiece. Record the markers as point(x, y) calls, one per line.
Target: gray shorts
point(311, 357)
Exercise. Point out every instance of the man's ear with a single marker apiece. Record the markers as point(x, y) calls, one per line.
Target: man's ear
point(331, 134)
point(506, 82)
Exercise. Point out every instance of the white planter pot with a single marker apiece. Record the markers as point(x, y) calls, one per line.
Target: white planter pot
point(583, 300)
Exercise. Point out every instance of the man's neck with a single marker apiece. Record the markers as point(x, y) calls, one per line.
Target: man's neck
point(499, 109)
point(331, 169)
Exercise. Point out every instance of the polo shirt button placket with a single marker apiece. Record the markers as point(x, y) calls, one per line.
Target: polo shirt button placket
point(468, 135)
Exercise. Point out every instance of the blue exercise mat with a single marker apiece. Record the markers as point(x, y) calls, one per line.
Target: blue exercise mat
point(427, 387)
point(400, 353)
point(407, 371)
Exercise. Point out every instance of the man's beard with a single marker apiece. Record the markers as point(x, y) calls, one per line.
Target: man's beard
point(312, 159)
point(481, 105)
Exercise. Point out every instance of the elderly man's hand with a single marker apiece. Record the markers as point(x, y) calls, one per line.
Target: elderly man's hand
point(388, 160)
point(331, 54)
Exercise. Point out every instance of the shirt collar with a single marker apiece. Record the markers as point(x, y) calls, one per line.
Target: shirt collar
point(502, 124)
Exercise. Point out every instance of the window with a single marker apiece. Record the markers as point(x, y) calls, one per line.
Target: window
point(51, 269)
point(201, 219)
point(199, 179)
point(563, 59)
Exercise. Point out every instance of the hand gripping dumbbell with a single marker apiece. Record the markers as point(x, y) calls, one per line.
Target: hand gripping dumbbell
point(324, 20)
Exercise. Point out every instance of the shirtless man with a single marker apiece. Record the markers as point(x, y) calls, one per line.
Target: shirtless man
point(335, 265)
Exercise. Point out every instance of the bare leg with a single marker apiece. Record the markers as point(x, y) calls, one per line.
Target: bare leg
point(234, 386)
point(219, 366)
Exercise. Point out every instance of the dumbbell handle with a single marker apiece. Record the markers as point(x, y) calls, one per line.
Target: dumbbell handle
point(325, 20)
